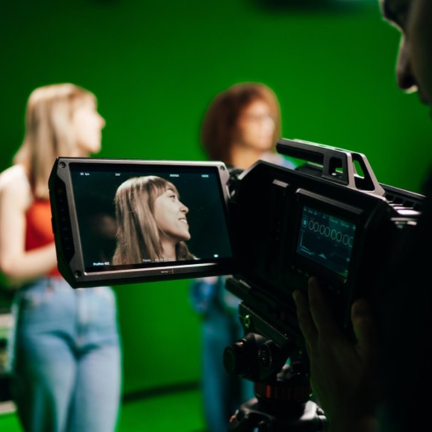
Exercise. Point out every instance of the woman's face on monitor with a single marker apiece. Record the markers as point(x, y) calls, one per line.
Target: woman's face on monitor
point(170, 216)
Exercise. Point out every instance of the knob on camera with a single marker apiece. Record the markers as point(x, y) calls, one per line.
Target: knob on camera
point(253, 357)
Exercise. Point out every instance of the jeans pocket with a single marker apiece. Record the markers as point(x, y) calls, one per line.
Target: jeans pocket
point(37, 310)
point(36, 300)
point(32, 299)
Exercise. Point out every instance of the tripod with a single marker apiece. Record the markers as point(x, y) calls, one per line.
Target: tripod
point(282, 392)
point(281, 405)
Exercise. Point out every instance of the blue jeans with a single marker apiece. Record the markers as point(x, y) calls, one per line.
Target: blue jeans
point(223, 393)
point(66, 366)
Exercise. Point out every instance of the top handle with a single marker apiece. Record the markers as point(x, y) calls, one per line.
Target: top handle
point(338, 164)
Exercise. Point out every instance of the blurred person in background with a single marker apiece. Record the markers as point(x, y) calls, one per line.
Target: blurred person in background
point(65, 355)
point(240, 127)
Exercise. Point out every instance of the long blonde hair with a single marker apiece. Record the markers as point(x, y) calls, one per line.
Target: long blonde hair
point(138, 237)
point(49, 132)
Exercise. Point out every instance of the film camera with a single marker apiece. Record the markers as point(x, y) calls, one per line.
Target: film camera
point(269, 227)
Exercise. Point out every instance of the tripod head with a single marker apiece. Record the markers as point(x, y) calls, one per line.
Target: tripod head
point(282, 391)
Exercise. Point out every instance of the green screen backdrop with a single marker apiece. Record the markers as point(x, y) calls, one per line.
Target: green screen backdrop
point(155, 65)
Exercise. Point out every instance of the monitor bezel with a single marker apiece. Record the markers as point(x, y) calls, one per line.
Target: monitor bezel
point(69, 246)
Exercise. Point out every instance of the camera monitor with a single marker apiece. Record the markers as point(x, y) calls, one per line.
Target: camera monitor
point(118, 221)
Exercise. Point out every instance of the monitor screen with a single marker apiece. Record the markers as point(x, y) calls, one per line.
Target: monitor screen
point(133, 216)
point(325, 239)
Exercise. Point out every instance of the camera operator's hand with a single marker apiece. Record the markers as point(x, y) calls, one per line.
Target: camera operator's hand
point(344, 374)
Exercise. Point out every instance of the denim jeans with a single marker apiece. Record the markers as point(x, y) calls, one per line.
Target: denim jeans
point(223, 393)
point(66, 365)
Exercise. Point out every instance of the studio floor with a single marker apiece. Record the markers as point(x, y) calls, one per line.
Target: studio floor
point(179, 412)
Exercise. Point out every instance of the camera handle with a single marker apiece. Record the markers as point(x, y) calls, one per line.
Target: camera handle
point(338, 165)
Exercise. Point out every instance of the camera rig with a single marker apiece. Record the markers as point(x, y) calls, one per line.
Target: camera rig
point(331, 219)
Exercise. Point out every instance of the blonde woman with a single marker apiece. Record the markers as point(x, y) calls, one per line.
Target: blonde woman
point(66, 363)
point(152, 222)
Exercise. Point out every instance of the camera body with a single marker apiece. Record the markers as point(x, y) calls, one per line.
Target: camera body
point(324, 220)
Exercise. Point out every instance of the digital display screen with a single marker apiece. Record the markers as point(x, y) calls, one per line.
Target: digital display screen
point(143, 216)
point(326, 240)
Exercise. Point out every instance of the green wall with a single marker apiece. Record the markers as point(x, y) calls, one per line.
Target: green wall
point(155, 65)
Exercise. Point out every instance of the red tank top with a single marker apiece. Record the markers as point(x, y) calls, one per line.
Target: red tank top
point(38, 228)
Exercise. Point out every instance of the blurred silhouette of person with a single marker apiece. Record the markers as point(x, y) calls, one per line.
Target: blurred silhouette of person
point(151, 222)
point(66, 352)
point(240, 127)
point(365, 385)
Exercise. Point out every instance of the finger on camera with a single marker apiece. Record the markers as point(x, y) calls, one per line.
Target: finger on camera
point(364, 325)
point(304, 316)
point(319, 309)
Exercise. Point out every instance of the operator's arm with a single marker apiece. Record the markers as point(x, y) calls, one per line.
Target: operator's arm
point(16, 264)
point(344, 374)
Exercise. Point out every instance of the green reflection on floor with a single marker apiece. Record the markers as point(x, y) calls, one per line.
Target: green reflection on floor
point(180, 412)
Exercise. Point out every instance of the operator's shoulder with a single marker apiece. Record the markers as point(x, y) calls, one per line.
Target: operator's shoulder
point(14, 182)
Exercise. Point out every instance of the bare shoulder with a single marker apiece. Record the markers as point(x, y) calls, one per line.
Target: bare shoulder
point(14, 186)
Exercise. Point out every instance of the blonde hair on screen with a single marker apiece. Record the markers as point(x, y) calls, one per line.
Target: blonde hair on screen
point(138, 236)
